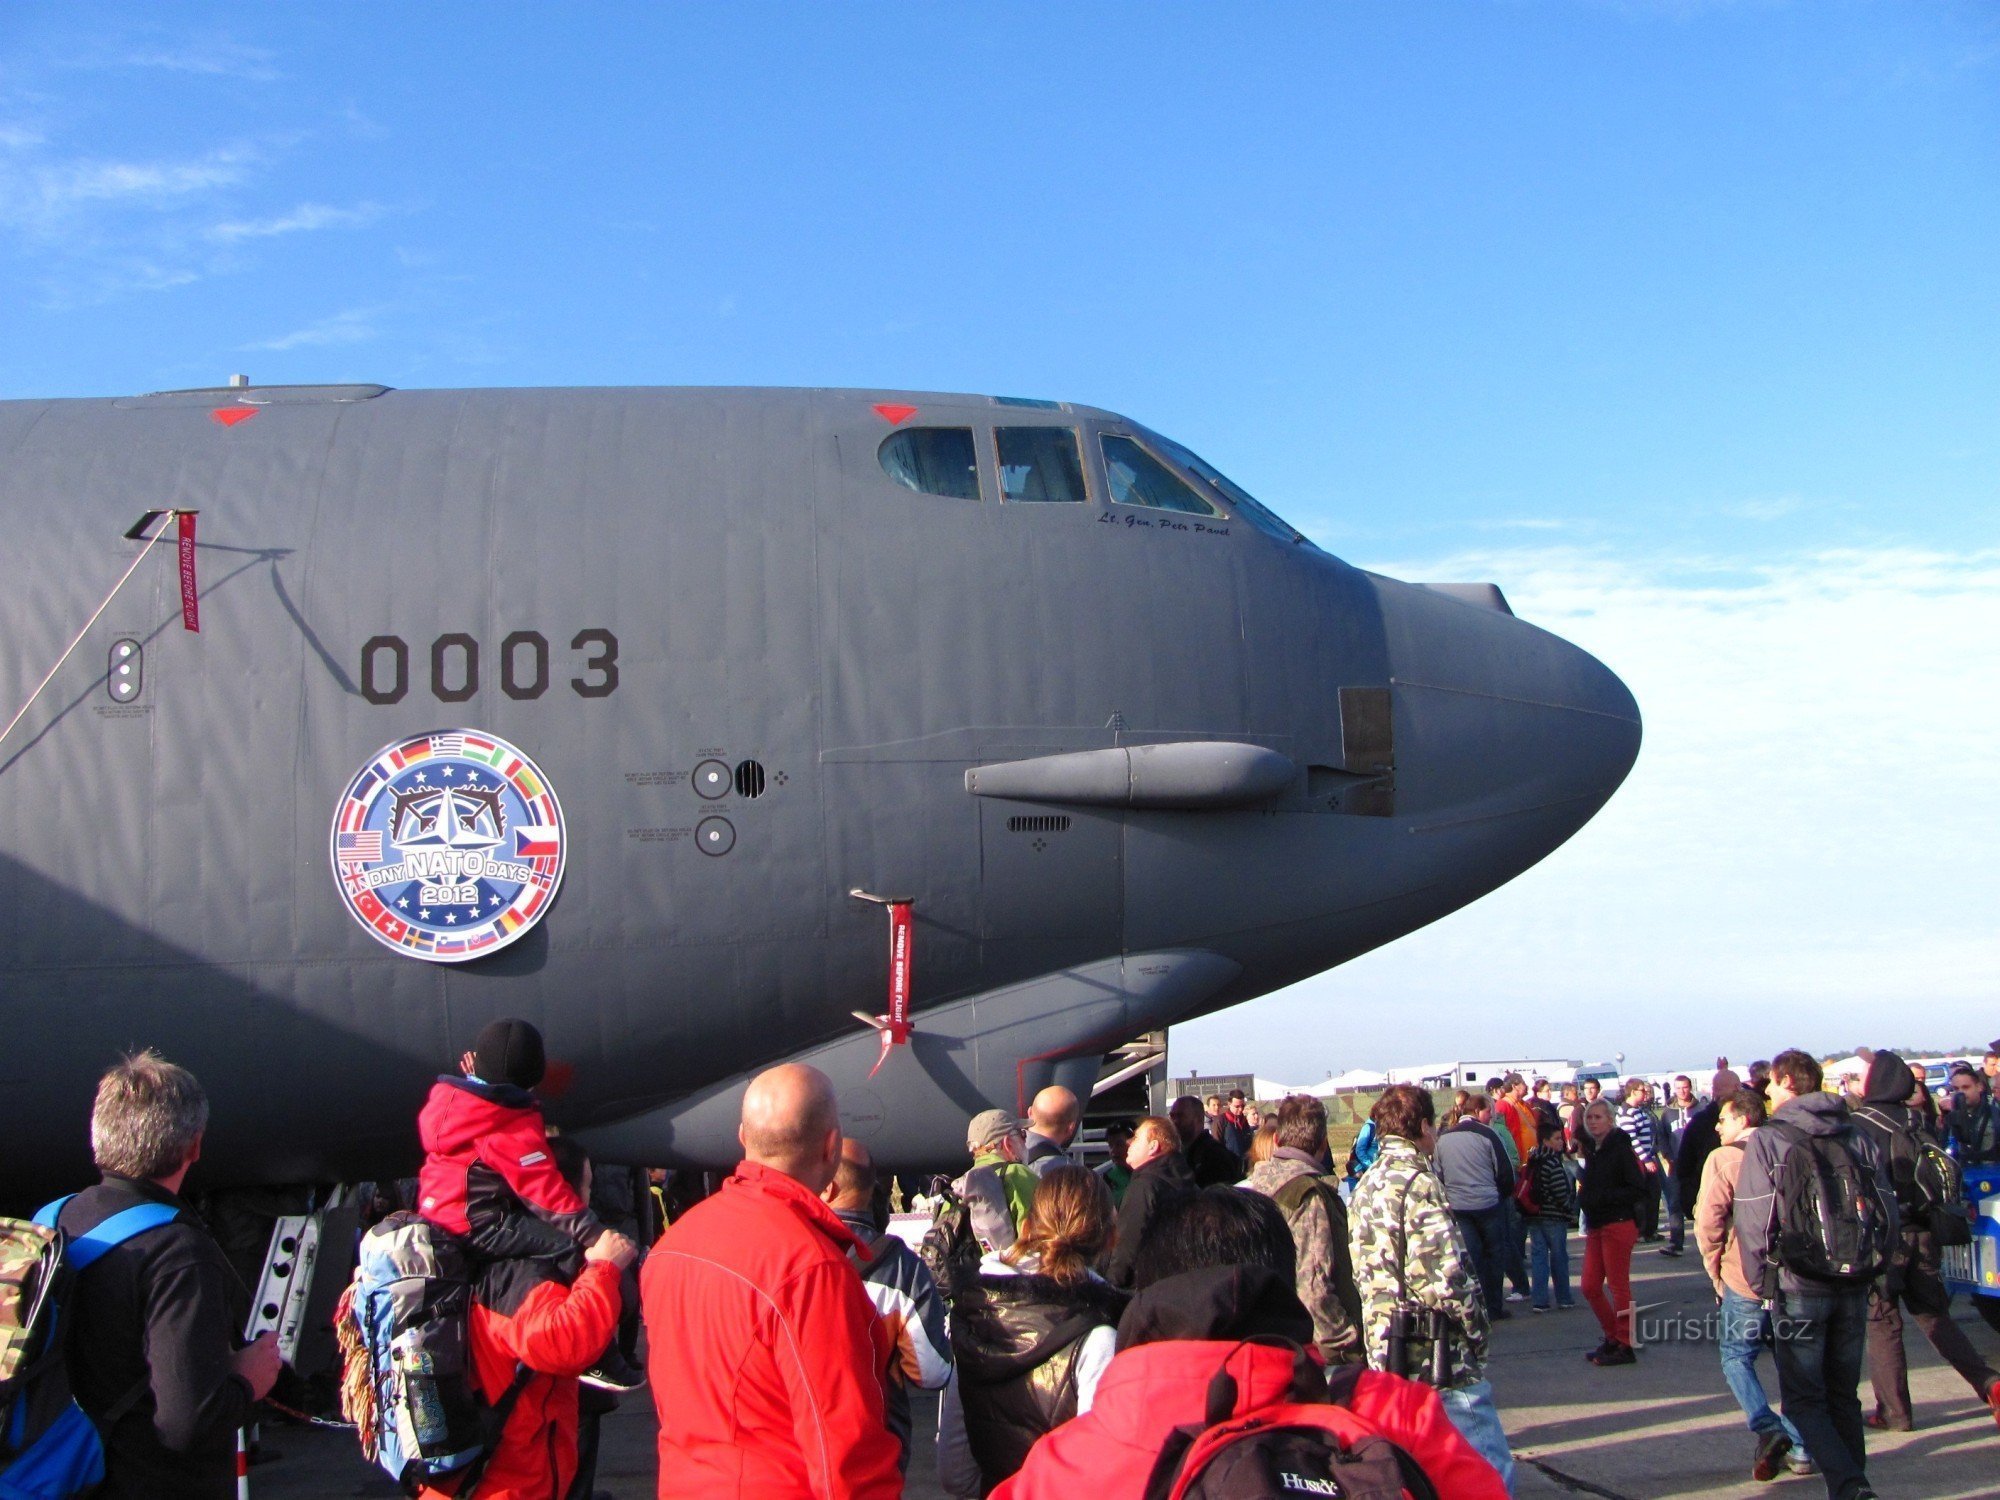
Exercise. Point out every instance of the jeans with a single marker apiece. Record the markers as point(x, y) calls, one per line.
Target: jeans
point(1607, 1257)
point(1548, 1247)
point(1483, 1229)
point(1746, 1329)
point(1677, 1212)
point(1819, 1338)
point(1514, 1245)
point(1473, 1413)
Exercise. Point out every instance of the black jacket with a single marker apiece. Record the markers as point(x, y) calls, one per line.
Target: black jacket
point(1893, 1126)
point(163, 1310)
point(1212, 1163)
point(1701, 1140)
point(1151, 1189)
point(1614, 1184)
point(1015, 1341)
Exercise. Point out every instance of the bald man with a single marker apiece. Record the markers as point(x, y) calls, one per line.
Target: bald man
point(1052, 1121)
point(767, 1356)
point(902, 1289)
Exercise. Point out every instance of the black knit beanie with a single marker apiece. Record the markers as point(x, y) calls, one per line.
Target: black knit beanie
point(510, 1052)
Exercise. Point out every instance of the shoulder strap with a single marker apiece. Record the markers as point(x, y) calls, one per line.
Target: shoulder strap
point(116, 1230)
point(493, 1425)
point(47, 1214)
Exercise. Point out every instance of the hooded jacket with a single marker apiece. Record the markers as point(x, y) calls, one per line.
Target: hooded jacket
point(764, 1352)
point(523, 1317)
point(1885, 1118)
point(485, 1146)
point(1172, 1340)
point(1756, 1190)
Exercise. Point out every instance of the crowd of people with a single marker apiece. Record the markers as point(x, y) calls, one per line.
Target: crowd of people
point(1088, 1330)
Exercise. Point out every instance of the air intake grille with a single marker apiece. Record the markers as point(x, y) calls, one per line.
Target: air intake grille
point(1046, 823)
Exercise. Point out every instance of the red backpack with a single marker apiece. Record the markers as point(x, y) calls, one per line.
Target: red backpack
point(1307, 1445)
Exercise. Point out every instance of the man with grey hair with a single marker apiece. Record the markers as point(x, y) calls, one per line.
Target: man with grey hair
point(152, 1353)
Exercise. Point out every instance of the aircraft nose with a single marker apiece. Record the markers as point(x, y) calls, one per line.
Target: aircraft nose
point(1505, 733)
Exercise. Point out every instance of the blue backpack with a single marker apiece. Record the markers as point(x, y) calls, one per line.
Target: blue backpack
point(407, 1384)
point(49, 1450)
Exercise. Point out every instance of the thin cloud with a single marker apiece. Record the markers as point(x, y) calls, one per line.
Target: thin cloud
point(303, 219)
point(212, 60)
point(355, 326)
point(41, 196)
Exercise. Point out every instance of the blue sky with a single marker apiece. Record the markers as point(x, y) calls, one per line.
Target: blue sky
point(1679, 321)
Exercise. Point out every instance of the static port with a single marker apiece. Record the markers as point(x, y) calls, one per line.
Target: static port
point(124, 671)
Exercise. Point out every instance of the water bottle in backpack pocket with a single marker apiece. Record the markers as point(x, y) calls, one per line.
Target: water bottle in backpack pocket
point(405, 1324)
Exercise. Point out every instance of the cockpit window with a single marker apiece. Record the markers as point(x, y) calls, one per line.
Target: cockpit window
point(933, 461)
point(1039, 463)
point(1247, 505)
point(1138, 478)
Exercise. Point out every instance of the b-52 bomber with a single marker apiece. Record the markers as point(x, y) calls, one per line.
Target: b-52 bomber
point(943, 741)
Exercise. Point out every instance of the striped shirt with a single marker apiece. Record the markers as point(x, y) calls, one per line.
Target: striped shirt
point(1638, 1124)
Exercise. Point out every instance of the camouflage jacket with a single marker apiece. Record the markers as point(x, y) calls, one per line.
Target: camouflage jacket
point(1399, 1203)
point(1325, 1275)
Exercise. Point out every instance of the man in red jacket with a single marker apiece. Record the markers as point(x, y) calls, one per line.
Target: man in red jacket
point(766, 1355)
point(527, 1325)
point(1217, 1271)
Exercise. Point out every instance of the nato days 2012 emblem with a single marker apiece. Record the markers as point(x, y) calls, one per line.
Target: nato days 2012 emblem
point(449, 845)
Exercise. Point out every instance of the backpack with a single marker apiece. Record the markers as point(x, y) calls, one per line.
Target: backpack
point(949, 1250)
point(407, 1385)
point(1940, 1183)
point(1930, 1185)
point(1834, 1218)
point(1304, 1446)
point(49, 1449)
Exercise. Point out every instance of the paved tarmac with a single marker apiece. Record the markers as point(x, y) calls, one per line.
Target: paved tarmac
point(1664, 1429)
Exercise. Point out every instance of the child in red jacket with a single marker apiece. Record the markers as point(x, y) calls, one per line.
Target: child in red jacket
point(489, 1176)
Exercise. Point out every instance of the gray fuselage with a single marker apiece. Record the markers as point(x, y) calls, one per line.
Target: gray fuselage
point(630, 585)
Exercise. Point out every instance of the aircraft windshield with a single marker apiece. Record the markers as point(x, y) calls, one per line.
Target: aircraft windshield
point(1246, 504)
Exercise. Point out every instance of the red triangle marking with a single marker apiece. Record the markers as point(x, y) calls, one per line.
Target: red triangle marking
point(893, 414)
point(229, 416)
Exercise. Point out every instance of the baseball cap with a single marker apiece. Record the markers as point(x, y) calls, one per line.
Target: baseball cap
point(989, 1128)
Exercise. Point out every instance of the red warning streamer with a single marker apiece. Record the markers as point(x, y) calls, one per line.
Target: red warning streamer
point(894, 1028)
point(190, 596)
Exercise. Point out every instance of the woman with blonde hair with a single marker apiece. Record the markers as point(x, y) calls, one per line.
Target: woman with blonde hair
point(1032, 1337)
point(1613, 1186)
point(1262, 1144)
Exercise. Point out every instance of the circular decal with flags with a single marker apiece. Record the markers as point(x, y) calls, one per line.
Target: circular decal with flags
point(448, 845)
